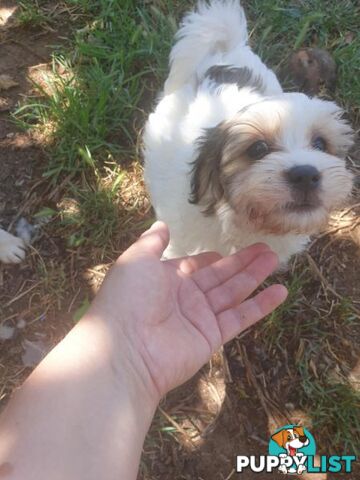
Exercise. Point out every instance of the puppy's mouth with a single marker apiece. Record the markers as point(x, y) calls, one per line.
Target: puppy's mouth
point(303, 202)
point(292, 451)
point(302, 207)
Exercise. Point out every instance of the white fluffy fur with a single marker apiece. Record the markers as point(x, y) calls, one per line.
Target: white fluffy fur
point(12, 249)
point(217, 34)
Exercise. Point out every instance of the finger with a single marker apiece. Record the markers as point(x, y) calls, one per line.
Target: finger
point(152, 242)
point(241, 285)
point(193, 263)
point(217, 273)
point(235, 320)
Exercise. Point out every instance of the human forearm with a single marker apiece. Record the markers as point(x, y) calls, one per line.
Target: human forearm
point(82, 414)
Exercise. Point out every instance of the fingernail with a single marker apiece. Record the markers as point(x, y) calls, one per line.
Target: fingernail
point(155, 224)
point(152, 227)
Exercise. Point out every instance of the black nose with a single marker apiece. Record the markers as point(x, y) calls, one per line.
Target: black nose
point(303, 177)
point(303, 439)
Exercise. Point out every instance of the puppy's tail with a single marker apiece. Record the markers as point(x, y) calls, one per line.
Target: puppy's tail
point(218, 26)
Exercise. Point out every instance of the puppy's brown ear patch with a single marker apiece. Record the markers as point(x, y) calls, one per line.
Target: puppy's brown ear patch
point(300, 431)
point(206, 186)
point(280, 438)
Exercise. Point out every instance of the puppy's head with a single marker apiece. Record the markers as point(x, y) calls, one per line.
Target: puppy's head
point(278, 164)
point(293, 438)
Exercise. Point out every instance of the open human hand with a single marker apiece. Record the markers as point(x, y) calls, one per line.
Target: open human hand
point(169, 316)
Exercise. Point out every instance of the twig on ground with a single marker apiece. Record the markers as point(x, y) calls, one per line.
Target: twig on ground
point(175, 424)
point(325, 284)
point(225, 363)
point(272, 411)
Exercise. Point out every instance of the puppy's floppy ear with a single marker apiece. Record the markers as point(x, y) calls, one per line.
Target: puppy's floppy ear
point(206, 187)
point(280, 438)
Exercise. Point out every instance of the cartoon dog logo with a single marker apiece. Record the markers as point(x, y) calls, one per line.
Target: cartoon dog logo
point(291, 439)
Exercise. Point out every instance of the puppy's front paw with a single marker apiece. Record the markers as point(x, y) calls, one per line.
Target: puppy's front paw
point(12, 249)
point(282, 469)
point(301, 469)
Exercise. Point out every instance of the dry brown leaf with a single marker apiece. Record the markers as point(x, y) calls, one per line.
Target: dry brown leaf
point(4, 105)
point(349, 37)
point(7, 82)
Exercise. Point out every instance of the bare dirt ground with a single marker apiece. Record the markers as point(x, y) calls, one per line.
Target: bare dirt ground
point(234, 401)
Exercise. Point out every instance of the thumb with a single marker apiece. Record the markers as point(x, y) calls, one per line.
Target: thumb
point(153, 241)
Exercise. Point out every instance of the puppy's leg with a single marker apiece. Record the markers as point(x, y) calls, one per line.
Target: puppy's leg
point(12, 249)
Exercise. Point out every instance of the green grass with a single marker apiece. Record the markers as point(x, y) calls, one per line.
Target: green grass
point(92, 106)
point(275, 328)
point(280, 26)
point(94, 218)
point(31, 14)
point(332, 402)
point(314, 343)
point(115, 60)
point(333, 407)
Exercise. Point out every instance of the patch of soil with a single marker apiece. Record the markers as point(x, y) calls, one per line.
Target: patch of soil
point(20, 50)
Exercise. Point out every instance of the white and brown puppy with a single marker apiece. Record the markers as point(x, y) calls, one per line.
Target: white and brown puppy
point(12, 249)
point(230, 159)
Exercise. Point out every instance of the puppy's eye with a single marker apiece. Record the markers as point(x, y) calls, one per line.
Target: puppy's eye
point(258, 150)
point(319, 144)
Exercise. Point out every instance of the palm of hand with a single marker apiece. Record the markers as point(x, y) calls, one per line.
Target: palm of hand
point(181, 333)
point(181, 311)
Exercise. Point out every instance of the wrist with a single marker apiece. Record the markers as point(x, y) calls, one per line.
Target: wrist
point(121, 359)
